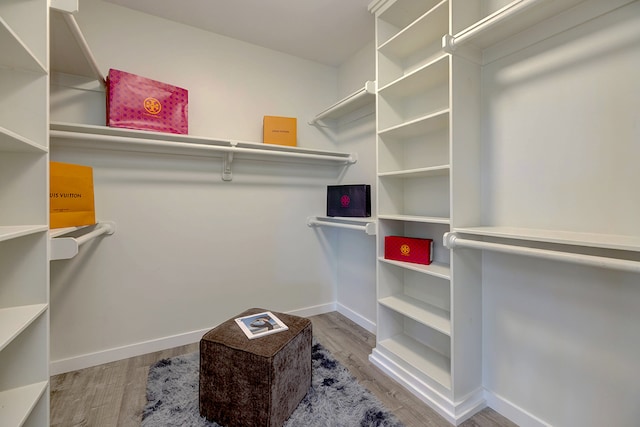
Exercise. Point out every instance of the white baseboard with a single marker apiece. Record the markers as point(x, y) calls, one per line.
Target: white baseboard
point(314, 310)
point(513, 412)
point(356, 318)
point(111, 355)
point(455, 412)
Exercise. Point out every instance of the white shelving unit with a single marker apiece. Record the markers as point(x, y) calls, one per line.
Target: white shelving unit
point(431, 150)
point(427, 148)
point(24, 175)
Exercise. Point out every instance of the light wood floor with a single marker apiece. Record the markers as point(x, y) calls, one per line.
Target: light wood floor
point(114, 394)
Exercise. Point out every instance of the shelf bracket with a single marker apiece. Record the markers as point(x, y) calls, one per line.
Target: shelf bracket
point(449, 240)
point(448, 43)
point(68, 247)
point(227, 160)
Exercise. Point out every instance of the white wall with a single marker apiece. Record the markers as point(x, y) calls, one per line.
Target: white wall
point(356, 250)
point(561, 151)
point(191, 250)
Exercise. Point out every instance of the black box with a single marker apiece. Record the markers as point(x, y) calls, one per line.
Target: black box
point(349, 200)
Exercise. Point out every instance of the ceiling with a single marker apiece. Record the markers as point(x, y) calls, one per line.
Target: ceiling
point(325, 31)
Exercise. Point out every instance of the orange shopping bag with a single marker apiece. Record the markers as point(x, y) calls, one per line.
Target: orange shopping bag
point(71, 200)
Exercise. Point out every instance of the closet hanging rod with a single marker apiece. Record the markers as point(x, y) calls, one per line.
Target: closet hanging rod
point(229, 147)
point(317, 123)
point(102, 228)
point(67, 247)
point(369, 227)
point(451, 42)
point(453, 241)
point(84, 46)
point(351, 101)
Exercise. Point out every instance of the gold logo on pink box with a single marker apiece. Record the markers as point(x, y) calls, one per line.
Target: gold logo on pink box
point(152, 105)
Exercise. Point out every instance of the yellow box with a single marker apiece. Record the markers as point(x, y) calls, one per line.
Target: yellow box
point(71, 197)
point(280, 130)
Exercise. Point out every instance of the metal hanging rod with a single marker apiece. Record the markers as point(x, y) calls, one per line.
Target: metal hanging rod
point(453, 241)
point(348, 104)
point(450, 42)
point(367, 227)
point(67, 247)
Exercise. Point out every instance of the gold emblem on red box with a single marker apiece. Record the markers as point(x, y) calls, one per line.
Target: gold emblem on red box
point(152, 105)
point(405, 249)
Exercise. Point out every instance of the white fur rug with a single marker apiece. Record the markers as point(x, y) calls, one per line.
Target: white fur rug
point(335, 398)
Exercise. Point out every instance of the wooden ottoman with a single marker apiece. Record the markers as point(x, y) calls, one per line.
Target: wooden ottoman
point(257, 382)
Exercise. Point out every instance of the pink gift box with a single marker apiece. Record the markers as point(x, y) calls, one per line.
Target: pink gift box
point(136, 102)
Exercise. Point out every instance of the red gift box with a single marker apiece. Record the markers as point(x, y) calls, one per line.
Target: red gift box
point(408, 249)
point(136, 102)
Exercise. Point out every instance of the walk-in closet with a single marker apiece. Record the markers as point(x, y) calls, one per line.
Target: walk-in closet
point(507, 131)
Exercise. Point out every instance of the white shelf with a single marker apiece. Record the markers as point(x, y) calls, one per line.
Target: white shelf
point(118, 139)
point(17, 404)
point(509, 20)
point(11, 141)
point(417, 173)
point(523, 23)
point(14, 320)
point(15, 54)
point(427, 314)
point(415, 218)
point(24, 115)
point(429, 75)
point(9, 232)
point(353, 102)
point(436, 269)
point(136, 140)
point(420, 126)
point(402, 13)
point(419, 34)
point(420, 357)
point(57, 232)
point(594, 240)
